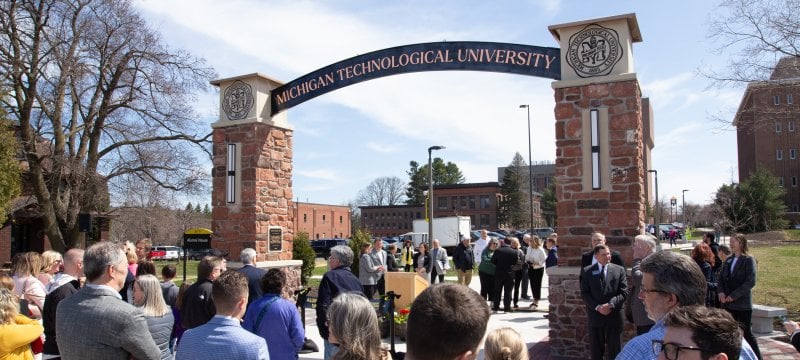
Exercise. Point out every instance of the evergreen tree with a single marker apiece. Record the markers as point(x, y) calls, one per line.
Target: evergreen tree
point(198, 209)
point(549, 204)
point(443, 174)
point(189, 207)
point(302, 250)
point(755, 205)
point(514, 209)
point(207, 209)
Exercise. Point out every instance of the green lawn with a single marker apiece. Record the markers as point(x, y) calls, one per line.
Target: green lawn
point(777, 277)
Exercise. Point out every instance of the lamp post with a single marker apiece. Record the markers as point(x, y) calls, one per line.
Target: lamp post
point(430, 194)
point(658, 202)
point(673, 201)
point(683, 206)
point(530, 162)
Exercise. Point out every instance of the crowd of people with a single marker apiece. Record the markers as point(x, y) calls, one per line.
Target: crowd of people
point(98, 303)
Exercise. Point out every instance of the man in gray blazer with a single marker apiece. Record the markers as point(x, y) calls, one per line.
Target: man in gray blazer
point(96, 323)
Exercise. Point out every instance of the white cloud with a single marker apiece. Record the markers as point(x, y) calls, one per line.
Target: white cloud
point(322, 174)
point(382, 147)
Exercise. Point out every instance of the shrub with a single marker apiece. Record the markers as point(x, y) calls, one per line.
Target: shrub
point(360, 238)
point(301, 250)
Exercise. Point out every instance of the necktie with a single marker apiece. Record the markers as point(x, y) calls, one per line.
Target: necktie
point(602, 273)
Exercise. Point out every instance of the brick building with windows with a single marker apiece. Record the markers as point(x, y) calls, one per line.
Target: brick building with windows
point(767, 132)
point(387, 221)
point(479, 201)
point(543, 175)
point(322, 221)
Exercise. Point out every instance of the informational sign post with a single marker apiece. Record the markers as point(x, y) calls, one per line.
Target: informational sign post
point(195, 239)
point(275, 239)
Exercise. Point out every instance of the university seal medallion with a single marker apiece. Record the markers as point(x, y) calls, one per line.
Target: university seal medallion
point(594, 51)
point(238, 100)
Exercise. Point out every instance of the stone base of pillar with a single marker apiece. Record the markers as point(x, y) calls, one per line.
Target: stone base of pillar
point(292, 269)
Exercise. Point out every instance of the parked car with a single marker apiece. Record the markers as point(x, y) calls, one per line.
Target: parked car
point(322, 247)
point(476, 234)
point(165, 253)
point(542, 232)
point(667, 229)
point(194, 254)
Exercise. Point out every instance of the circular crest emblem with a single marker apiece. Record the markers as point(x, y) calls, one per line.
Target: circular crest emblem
point(594, 51)
point(238, 100)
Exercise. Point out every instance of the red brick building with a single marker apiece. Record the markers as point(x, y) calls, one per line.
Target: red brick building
point(478, 201)
point(322, 221)
point(767, 132)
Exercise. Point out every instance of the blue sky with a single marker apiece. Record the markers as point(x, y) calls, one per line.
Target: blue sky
point(345, 139)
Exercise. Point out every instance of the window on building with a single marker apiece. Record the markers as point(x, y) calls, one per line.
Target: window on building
point(472, 204)
point(791, 125)
point(441, 202)
point(795, 207)
point(776, 99)
point(780, 181)
point(779, 154)
point(794, 181)
point(485, 220)
point(777, 127)
point(323, 218)
point(789, 99)
point(463, 202)
point(485, 202)
point(341, 219)
point(454, 202)
point(305, 217)
point(419, 215)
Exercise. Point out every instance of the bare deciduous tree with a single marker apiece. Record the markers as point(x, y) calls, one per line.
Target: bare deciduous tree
point(95, 83)
point(382, 191)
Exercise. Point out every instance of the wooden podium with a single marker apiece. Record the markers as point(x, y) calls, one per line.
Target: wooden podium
point(406, 284)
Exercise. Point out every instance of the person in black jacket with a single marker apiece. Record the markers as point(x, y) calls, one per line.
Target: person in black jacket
point(708, 238)
point(339, 279)
point(73, 270)
point(588, 257)
point(464, 261)
point(504, 258)
point(735, 288)
point(197, 306)
point(391, 260)
point(252, 273)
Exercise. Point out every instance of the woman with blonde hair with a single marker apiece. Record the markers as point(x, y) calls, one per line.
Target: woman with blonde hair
point(353, 326)
point(51, 264)
point(25, 270)
point(505, 344)
point(147, 296)
point(16, 331)
point(536, 258)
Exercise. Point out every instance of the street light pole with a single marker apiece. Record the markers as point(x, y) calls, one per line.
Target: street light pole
point(430, 194)
point(658, 202)
point(530, 162)
point(673, 201)
point(683, 205)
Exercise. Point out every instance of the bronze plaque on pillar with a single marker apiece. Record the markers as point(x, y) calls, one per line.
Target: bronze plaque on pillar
point(275, 238)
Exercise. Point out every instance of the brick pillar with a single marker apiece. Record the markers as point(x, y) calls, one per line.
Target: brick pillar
point(266, 190)
point(599, 168)
point(252, 176)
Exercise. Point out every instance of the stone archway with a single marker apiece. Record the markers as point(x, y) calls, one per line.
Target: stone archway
point(600, 152)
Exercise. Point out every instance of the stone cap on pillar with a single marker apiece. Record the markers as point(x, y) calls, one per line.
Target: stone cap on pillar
point(246, 99)
point(597, 50)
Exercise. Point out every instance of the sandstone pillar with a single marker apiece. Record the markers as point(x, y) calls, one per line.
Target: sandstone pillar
point(252, 175)
point(600, 172)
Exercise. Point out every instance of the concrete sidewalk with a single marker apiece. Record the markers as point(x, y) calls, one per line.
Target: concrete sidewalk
point(532, 325)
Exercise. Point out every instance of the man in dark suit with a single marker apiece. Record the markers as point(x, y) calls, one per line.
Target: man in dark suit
point(503, 259)
point(73, 270)
point(588, 257)
point(604, 289)
point(252, 273)
point(339, 279)
point(95, 323)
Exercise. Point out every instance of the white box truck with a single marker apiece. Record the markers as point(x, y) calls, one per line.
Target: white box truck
point(447, 229)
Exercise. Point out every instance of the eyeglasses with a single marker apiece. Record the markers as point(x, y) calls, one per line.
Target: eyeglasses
point(671, 350)
point(646, 290)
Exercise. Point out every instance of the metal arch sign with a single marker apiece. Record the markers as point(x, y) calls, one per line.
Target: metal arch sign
point(441, 56)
